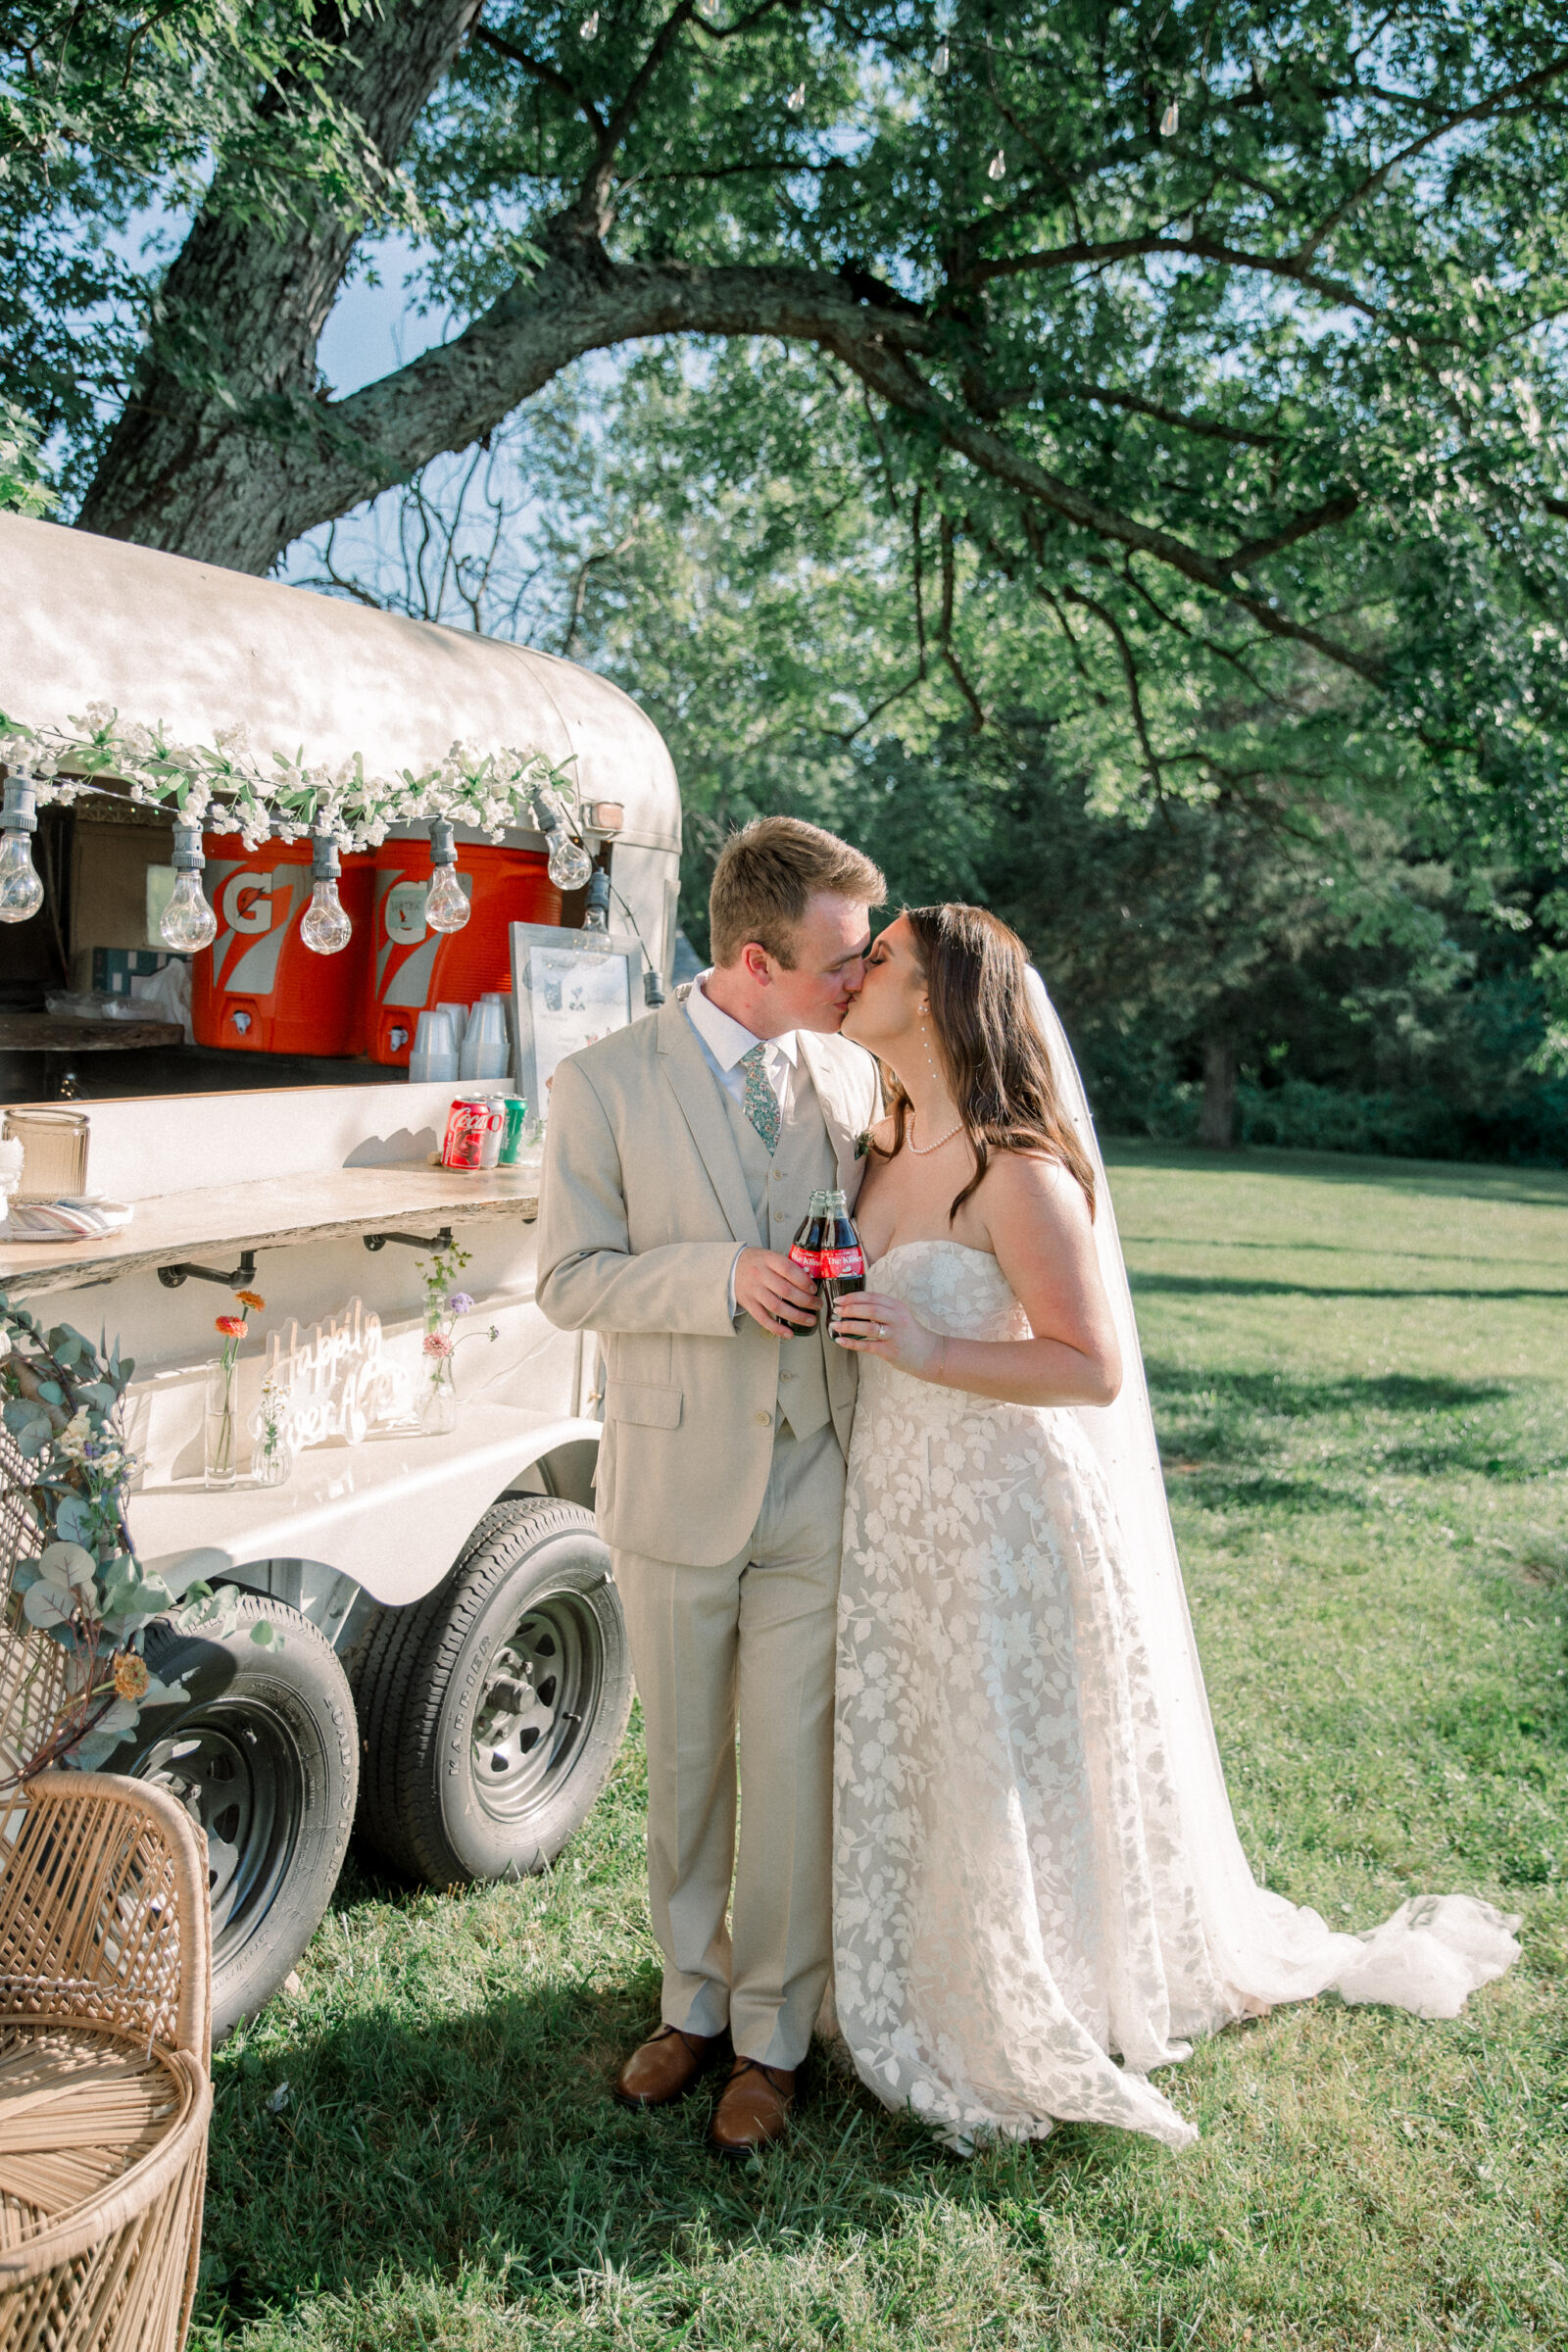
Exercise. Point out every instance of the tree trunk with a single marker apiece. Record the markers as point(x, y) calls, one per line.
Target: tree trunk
point(201, 458)
point(1216, 1123)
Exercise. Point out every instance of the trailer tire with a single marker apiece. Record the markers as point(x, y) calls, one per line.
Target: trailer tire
point(491, 1712)
point(263, 1756)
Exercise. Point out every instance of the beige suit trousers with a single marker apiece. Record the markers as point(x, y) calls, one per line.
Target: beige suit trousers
point(745, 1647)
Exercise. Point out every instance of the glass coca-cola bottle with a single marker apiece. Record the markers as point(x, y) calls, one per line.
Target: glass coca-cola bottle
point(843, 1258)
point(806, 1251)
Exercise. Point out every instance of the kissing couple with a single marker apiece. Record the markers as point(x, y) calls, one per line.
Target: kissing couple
point(919, 1568)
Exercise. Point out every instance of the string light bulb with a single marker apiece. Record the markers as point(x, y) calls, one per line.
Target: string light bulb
point(941, 57)
point(568, 862)
point(588, 30)
point(21, 890)
point(324, 927)
point(187, 923)
point(997, 169)
point(795, 101)
point(446, 902)
point(1170, 121)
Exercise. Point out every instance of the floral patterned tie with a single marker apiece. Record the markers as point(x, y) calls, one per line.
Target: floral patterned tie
point(761, 1103)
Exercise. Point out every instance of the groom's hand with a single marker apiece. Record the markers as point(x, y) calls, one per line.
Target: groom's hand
point(774, 1293)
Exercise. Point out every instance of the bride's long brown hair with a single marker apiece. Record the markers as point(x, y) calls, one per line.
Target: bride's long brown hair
point(993, 1055)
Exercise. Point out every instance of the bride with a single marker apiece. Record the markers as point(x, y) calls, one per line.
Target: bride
point(1035, 1873)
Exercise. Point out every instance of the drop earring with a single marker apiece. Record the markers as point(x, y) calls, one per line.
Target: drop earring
point(925, 1041)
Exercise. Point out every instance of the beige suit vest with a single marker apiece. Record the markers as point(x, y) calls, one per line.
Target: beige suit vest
point(781, 1188)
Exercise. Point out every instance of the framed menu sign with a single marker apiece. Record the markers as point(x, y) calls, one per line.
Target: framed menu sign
point(566, 995)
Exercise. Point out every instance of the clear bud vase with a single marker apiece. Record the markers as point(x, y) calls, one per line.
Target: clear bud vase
point(222, 1424)
point(272, 1460)
point(438, 1409)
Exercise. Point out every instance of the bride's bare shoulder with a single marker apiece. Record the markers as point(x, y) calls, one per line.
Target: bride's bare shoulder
point(1024, 1186)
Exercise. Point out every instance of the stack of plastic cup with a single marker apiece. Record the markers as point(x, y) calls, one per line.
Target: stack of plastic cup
point(460, 1020)
point(486, 1047)
point(436, 1047)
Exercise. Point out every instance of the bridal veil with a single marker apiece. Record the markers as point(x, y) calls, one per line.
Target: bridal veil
point(1436, 1949)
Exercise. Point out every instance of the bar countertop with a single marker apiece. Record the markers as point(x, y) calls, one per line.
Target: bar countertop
point(272, 1213)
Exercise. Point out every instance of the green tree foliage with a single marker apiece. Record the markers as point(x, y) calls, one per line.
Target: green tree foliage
point(1178, 386)
point(110, 114)
point(719, 539)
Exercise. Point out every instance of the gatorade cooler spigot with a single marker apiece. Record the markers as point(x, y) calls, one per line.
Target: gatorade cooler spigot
point(268, 985)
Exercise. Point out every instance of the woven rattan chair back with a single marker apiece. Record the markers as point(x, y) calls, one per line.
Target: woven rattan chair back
point(32, 1666)
point(105, 2004)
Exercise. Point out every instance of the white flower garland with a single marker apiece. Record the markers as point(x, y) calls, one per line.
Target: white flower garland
point(230, 788)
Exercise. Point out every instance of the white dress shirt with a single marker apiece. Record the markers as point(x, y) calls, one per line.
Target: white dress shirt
point(726, 1042)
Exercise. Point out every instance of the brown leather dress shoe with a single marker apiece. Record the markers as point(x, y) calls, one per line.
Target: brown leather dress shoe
point(667, 2064)
point(753, 2108)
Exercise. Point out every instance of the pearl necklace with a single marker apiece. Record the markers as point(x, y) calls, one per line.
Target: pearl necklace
point(924, 1150)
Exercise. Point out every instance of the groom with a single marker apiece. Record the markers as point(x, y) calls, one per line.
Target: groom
point(680, 1159)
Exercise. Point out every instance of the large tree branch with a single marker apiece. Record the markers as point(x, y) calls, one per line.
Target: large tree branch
point(282, 472)
point(542, 69)
point(890, 372)
point(1338, 509)
point(1478, 112)
point(1193, 248)
point(1111, 397)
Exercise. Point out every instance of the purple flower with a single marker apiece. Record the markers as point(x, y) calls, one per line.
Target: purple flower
point(460, 1304)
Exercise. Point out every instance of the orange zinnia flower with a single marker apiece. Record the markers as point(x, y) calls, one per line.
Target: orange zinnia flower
point(249, 1298)
point(232, 1327)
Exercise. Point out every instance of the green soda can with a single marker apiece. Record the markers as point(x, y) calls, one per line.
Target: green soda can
point(516, 1108)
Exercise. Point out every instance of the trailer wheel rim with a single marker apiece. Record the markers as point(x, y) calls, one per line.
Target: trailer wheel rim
point(240, 1777)
point(538, 1703)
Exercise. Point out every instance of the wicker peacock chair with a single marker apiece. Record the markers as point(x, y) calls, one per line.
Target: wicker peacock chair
point(104, 1974)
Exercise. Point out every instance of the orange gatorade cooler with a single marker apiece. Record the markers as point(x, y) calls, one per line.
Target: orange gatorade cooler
point(259, 987)
point(413, 966)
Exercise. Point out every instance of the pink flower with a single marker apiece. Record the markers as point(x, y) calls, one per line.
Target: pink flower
point(232, 1327)
point(436, 1342)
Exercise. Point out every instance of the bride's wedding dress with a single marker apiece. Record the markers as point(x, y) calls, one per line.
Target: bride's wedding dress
point(1035, 1873)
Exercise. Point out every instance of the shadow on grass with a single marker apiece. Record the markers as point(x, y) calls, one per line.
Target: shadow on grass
point(1277, 1395)
point(1224, 1435)
point(490, 2138)
point(1537, 1187)
point(1237, 1286)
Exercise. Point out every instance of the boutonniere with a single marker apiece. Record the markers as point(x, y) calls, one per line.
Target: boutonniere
point(863, 1143)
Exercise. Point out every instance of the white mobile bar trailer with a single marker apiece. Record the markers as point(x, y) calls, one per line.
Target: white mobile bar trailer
point(453, 1669)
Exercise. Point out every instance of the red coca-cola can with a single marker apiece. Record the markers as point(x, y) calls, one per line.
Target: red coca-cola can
point(468, 1124)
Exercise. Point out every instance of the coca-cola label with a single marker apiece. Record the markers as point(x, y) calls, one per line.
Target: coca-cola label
point(837, 1263)
point(809, 1259)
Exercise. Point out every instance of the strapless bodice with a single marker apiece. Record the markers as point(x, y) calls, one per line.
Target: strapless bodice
point(952, 1288)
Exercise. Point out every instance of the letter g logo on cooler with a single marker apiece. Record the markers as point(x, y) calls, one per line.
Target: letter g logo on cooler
point(246, 903)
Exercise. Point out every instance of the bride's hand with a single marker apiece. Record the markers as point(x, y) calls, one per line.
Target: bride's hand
point(868, 1325)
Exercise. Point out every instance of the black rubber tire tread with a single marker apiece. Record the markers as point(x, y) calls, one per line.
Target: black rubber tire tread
point(307, 1669)
point(380, 1690)
point(405, 1683)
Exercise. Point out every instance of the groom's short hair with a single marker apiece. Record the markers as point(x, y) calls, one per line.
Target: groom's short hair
point(766, 875)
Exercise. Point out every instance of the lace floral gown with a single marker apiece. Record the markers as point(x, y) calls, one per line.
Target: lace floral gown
point(1011, 1913)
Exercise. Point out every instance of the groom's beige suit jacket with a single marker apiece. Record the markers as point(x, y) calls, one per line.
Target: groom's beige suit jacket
point(645, 1204)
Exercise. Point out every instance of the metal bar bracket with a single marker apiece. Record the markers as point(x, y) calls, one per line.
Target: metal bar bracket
point(411, 1241)
point(244, 1273)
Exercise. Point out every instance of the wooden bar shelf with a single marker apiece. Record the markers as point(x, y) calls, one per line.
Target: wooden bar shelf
point(274, 1212)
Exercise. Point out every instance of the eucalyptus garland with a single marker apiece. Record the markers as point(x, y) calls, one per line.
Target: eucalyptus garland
point(74, 1681)
point(230, 787)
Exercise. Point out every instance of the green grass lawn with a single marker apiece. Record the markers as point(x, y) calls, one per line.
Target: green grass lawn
point(1360, 1373)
